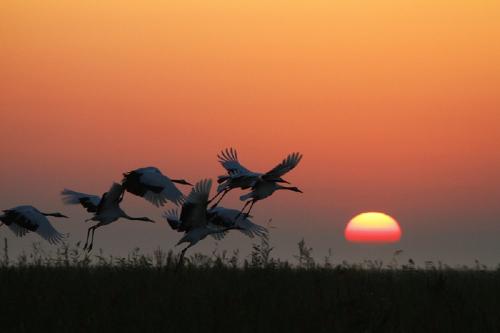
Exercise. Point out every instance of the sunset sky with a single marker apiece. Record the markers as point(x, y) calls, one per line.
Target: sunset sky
point(394, 104)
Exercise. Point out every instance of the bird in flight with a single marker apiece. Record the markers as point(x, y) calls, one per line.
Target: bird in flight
point(194, 220)
point(106, 209)
point(150, 184)
point(23, 219)
point(262, 185)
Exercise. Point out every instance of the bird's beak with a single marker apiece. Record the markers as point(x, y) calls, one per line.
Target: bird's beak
point(299, 191)
point(64, 216)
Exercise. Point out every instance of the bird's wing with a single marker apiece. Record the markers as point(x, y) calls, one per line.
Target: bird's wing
point(160, 188)
point(194, 209)
point(285, 166)
point(222, 216)
point(18, 230)
point(49, 233)
point(227, 218)
point(172, 217)
point(250, 229)
point(219, 236)
point(228, 158)
point(111, 199)
point(88, 201)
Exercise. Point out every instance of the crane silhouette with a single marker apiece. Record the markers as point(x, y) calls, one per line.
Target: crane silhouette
point(237, 175)
point(262, 185)
point(106, 211)
point(23, 219)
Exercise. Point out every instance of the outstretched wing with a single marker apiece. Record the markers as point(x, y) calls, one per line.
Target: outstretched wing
point(285, 166)
point(111, 199)
point(228, 158)
point(194, 209)
point(153, 186)
point(219, 235)
point(250, 229)
point(48, 232)
point(172, 217)
point(88, 201)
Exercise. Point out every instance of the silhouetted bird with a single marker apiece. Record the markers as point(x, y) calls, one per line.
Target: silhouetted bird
point(105, 212)
point(261, 184)
point(23, 219)
point(194, 220)
point(150, 184)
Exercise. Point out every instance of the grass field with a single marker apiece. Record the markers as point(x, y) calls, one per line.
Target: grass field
point(76, 293)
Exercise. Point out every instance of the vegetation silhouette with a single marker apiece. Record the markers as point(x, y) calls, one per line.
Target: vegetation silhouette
point(72, 290)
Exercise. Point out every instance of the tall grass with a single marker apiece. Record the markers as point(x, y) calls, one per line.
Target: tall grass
point(71, 290)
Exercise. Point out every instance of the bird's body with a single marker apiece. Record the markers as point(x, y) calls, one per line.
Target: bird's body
point(262, 185)
point(150, 184)
point(108, 208)
point(261, 190)
point(23, 219)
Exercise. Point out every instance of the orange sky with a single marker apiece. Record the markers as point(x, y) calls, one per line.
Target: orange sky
point(394, 105)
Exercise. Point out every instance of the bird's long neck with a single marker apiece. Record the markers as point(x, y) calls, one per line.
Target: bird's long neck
point(52, 214)
point(134, 218)
point(281, 187)
point(179, 181)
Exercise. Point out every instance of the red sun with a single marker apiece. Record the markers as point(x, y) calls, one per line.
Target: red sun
point(373, 228)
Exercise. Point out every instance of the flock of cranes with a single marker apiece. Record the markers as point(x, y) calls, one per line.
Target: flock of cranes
point(196, 219)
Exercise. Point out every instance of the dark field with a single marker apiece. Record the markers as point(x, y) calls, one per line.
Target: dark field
point(70, 293)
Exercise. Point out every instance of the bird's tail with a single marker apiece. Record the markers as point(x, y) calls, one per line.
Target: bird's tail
point(172, 217)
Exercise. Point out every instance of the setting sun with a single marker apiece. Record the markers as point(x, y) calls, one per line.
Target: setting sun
point(373, 227)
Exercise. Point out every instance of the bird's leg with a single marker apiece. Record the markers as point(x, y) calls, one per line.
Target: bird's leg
point(181, 258)
point(220, 199)
point(251, 206)
point(92, 241)
point(87, 240)
point(219, 193)
point(242, 210)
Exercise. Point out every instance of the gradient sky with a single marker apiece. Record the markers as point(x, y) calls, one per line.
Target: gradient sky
point(394, 104)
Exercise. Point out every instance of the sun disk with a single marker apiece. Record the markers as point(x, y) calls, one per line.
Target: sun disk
point(373, 227)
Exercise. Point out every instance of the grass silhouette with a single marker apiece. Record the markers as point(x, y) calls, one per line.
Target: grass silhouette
point(72, 291)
